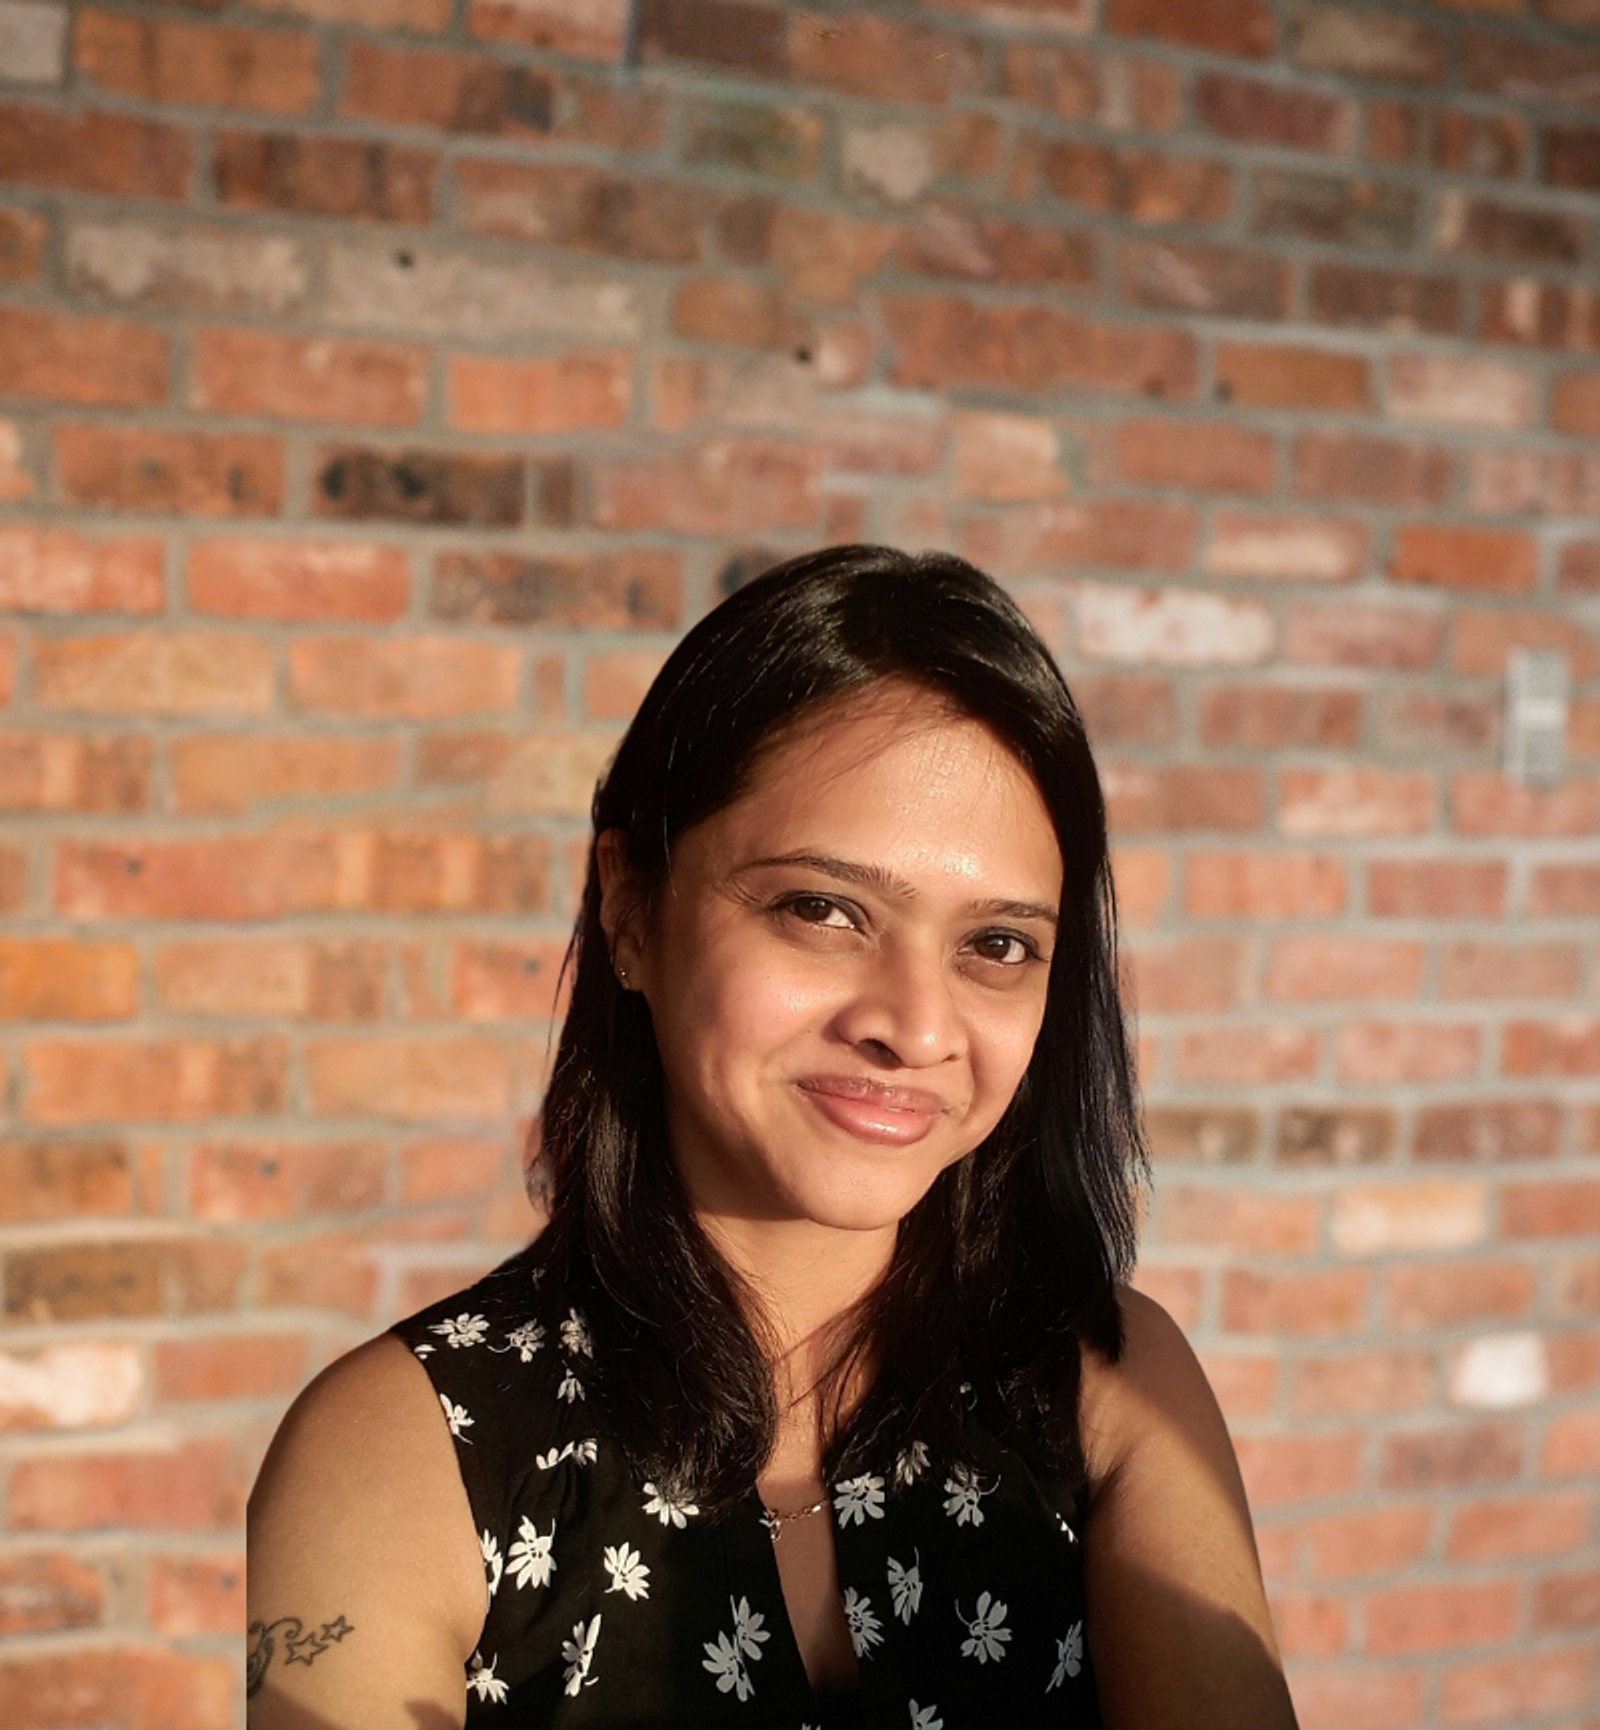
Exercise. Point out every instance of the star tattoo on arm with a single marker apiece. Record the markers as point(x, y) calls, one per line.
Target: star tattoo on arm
point(300, 1645)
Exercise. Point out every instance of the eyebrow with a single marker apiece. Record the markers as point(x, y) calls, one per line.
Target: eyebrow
point(887, 883)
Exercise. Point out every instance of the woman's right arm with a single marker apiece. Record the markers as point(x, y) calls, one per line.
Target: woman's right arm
point(366, 1584)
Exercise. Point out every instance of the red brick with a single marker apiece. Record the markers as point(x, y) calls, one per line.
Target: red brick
point(1498, 1531)
point(1568, 1602)
point(737, 309)
point(1137, 536)
point(1308, 1625)
point(228, 774)
point(1572, 1445)
point(944, 341)
point(1394, 301)
point(23, 235)
point(1552, 315)
point(1348, 1697)
point(721, 486)
point(1440, 1618)
point(74, 772)
point(1248, 1054)
point(1462, 390)
point(230, 1367)
point(1377, 471)
point(1253, 111)
point(1499, 1690)
point(1243, 1223)
point(457, 1077)
point(564, 393)
point(196, 1486)
point(1204, 456)
point(1145, 185)
point(1493, 1131)
point(171, 1080)
point(195, 474)
point(1291, 548)
point(449, 1170)
point(57, 571)
point(1077, 83)
point(1481, 640)
point(1575, 404)
point(197, 65)
point(44, 1594)
point(1005, 457)
point(1534, 482)
point(1294, 205)
point(105, 153)
point(300, 378)
point(1345, 1546)
point(494, 980)
point(1436, 888)
point(593, 29)
point(289, 977)
point(1177, 1289)
point(1141, 880)
point(197, 1595)
point(413, 677)
point(1222, 281)
point(127, 1280)
point(1487, 970)
point(44, 1180)
point(297, 581)
point(1271, 717)
point(614, 684)
point(103, 361)
point(67, 979)
point(247, 1181)
point(363, 483)
point(155, 673)
point(1364, 44)
point(588, 209)
point(1534, 1210)
point(329, 1272)
point(1201, 1135)
point(1389, 1051)
point(884, 59)
point(1446, 1294)
point(1421, 725)
point(1432, 1214)
point(307, 176)
point(1488, 804)
point(1308, 969)
point(1494, 145)
point(1291, 376)
point(822, 256)
point(119, 1688)
point(1257, 886)
point(951, 240)
point(1245, 1386)
point(1244, 27)
point(1564, 890)
point(1182, 798)
point(1529, 68)
point(1453, 1458)
point(1279, 1470)
point(1579, 572)
point(13, 879)
point(1487, 228)
point(1502, 560)
point(1355, 802)
point(1303, 1304)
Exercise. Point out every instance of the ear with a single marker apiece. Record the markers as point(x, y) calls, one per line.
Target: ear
point(623, 907)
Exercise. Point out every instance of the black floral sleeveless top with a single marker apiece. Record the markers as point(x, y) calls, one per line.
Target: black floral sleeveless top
point(617, 1606)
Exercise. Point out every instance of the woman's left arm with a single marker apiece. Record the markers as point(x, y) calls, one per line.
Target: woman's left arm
point(1178, 1624)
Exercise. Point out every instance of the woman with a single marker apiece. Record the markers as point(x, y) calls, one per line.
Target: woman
point(819, 1400)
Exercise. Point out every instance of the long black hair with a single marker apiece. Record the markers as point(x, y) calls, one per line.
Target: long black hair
point(1013, 1256)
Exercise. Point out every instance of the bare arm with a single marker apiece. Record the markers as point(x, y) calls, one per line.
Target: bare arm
point(1178, 1623)
point(366, 1585)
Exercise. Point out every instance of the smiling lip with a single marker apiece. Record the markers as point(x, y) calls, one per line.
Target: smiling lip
point(874, 1110)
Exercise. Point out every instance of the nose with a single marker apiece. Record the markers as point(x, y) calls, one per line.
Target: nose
point(903, 1013)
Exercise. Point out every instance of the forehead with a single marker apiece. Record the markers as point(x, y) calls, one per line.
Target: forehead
point(895, 776)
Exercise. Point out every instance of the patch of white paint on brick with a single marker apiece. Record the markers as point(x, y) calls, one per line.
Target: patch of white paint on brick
point(156, 264)
point(33, 42)
point(1498, 1371)
point(1377, 1219)
point(895, 161)
point(1171, 627)
point(79, 1386)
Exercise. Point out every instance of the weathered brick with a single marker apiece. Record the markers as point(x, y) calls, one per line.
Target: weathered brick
point(1312, 969)
point(1452, 1458)
point(1347, 1696)
point(197, 1594)
point(1502, 560)
point(155, 673)
point(1344, 1546)
point(33, 42)
point(59, 571)
point(1488, 804)
point(1529, 68)
point(584, 208)
point(1482, 638)
point(1359, 636)
point(127, 1279)
point(1288, 375)
point(565, 393)
point(59, 1179)
point(416, 677)
point(1537, 482)
point(289, 977)
point(175, 61)
point(197, 1486)
point(1489, 1131)
point(100, 361)
point(1243, 27)
point(1579, 571)
point(1554, 315)
point(160, 264)
point(1355, 802)
point(1437, 1214)
point(1462, 390)
point(1489, 970)
point(130, 1688)
point(1377, 471)
point(630, 590)
point(228, 774)
point(334, 1271)
point(250, 372)
point(163, 1080)
point(1437, 888)
point(614, 684)
point(74, 772)
point(1183, 797)
point(1270, 717)
point(593, 29)
point(1362, 1135)
point(1495, 145)
point(1242, 1223)
point(1371, 298)
point(1279, 1470)
point(1390, 1052)
point(1204, 456)
point(1498, 1689)
point(1575, 402)
point(309, 176)
point(23, 235)
point(1143, 185)
point(1169, 626)
point(299, 581)
point(1293, 204)
point(718, 486)
point(104, 153)
point(1451, 1293)
point(1568, 1602)
point(1363, 1382)
point(364, 484)
point(229, 1367)
point(1262, 885)
point(49, 1593)
point(884, 59)
point(896, 161)
point(1418, 724)
point(455, 1077)
point(191, 473)
point(1201, 1135)
point(1499, 1530)
point(1563, 889)
point(756, 139)
point(1254, 111)
point(245, 1181)
point(1570, 1046)
point(1366, 44)
point(1520, 234)
point(1076, 83)
point(494, 980)
point(1192, 975)
point(1245, 1054)
point(1441, 1617)
point(946, 341)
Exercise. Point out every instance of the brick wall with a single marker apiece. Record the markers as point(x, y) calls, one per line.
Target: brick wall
point(384, 383)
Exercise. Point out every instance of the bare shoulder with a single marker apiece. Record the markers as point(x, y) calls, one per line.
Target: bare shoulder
point(366, 1588)
point(1178, 1621)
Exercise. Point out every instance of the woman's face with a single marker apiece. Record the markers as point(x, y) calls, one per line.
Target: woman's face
point(846, 969)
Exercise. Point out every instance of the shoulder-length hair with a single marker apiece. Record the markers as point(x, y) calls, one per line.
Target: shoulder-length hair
point(1013, 1256)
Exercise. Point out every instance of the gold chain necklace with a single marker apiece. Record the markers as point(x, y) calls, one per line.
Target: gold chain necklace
point(778, 1518)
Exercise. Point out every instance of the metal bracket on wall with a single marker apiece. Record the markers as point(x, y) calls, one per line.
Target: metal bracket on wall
point(1536, 716)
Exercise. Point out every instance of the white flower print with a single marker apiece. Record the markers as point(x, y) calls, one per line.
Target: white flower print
point(905, 1587)
point(578, 1654)
point(866, 1631)
point(911, 1463)
point(424, 1349)
point(482, 1677)
point(669, 1510)
point(462, 1330)
point(1072, 1536)
point(456, 1417)
point(1069, 1656)
point(747, 1630)
point(575, 1335)
point(571, 1388)
point(530, 1558)
point(987, 1632)
point(627, 1570)
point(728, 1656)
point(963, 1492)
point(858, 1500)
point(925, 1717)
point(493, 1564)
point(524, 1341)
point(583, 1453)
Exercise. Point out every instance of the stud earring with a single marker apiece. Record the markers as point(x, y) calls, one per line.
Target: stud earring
point(622, 977)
